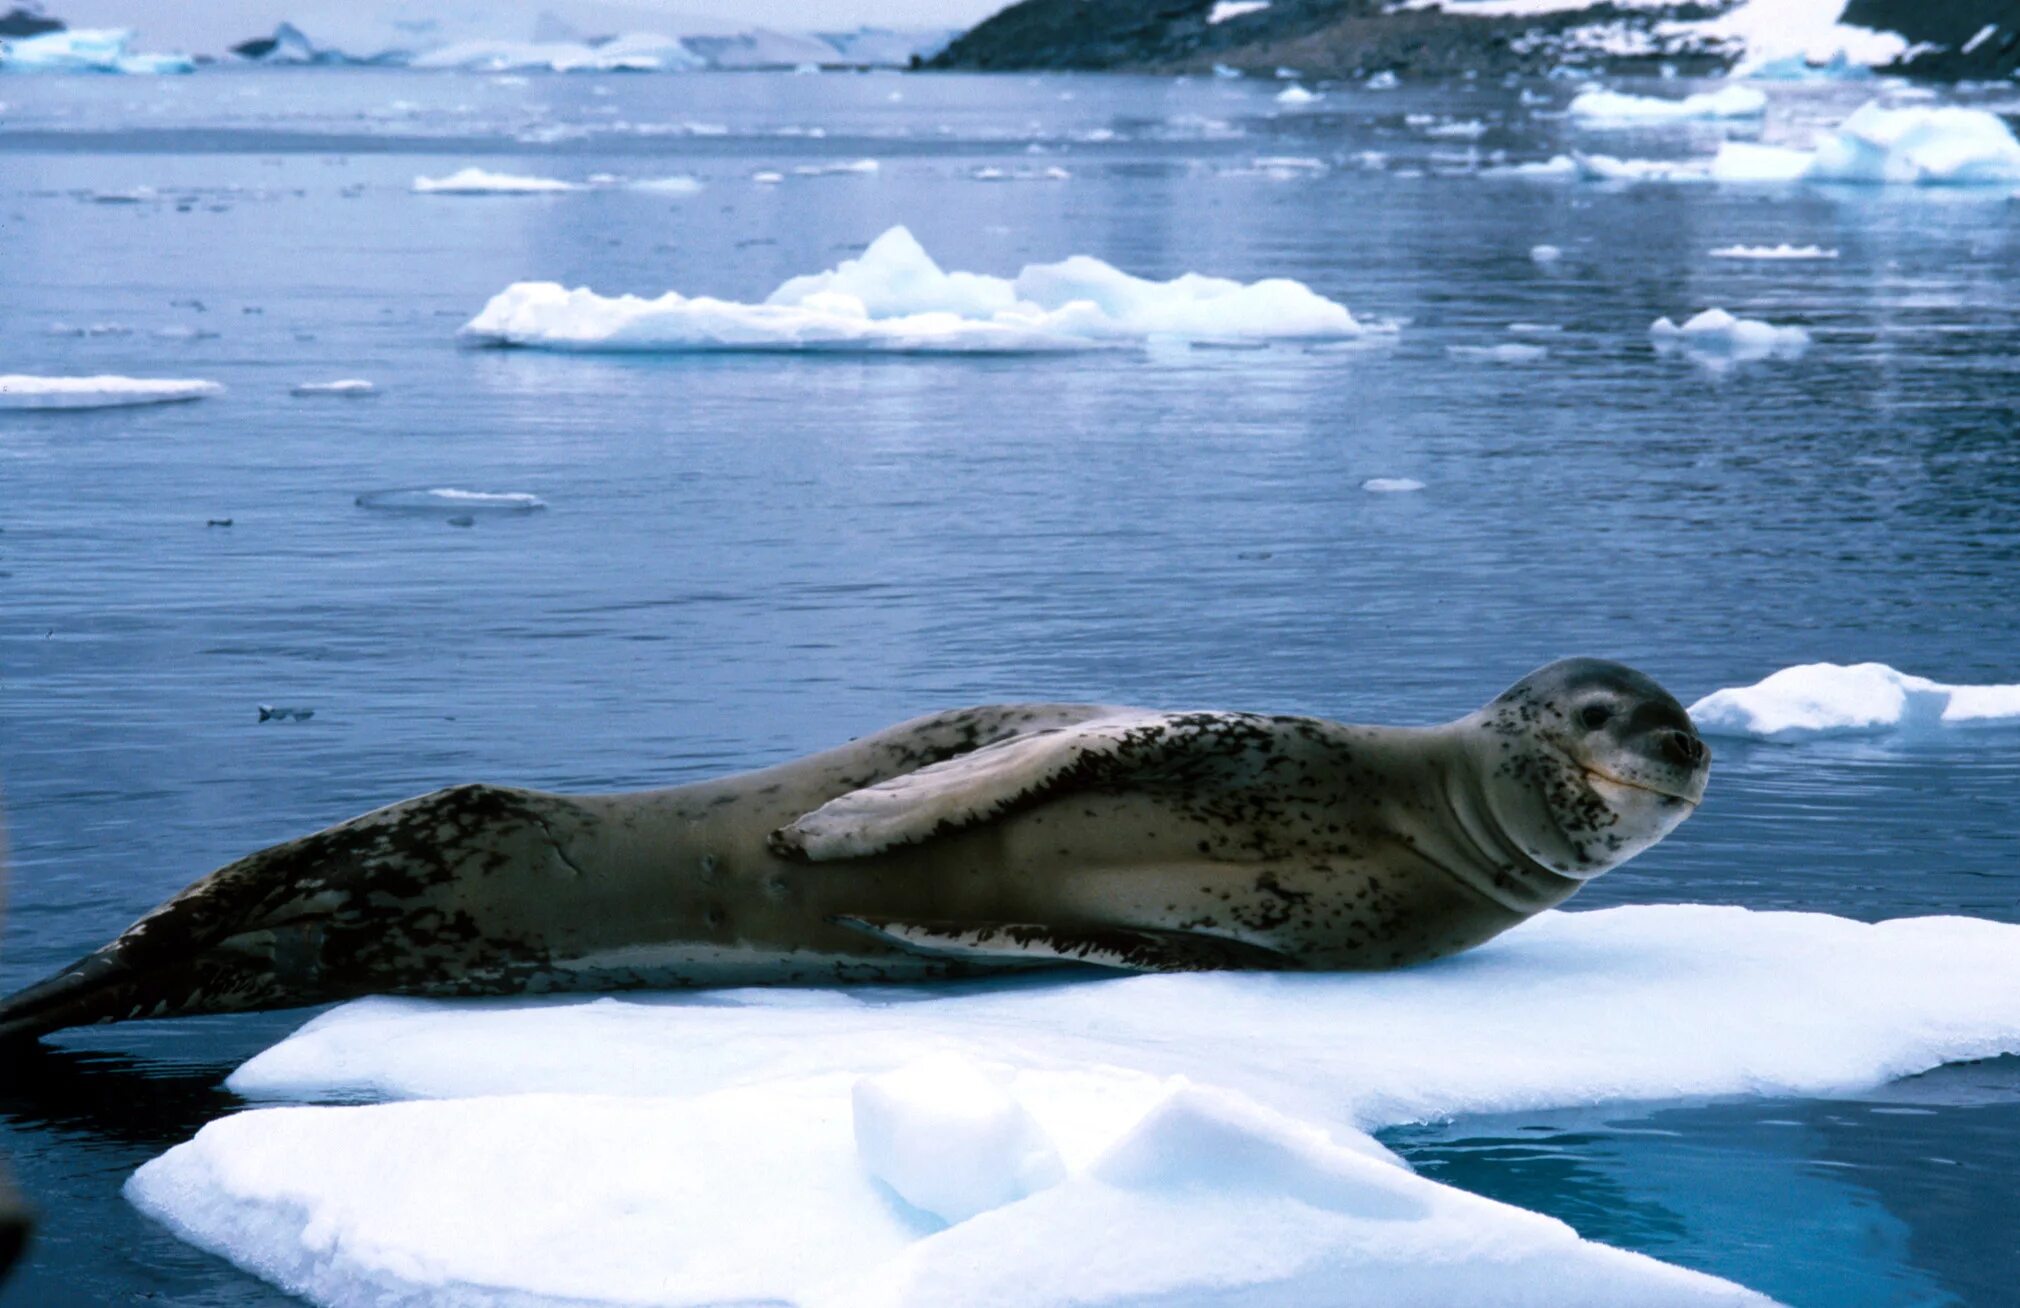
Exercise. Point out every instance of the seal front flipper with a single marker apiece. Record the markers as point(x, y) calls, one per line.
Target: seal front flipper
point(1130, 949)
point(1151, 750)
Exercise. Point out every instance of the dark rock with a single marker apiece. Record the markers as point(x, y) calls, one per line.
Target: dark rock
point(27, 22)
point(1949, 26)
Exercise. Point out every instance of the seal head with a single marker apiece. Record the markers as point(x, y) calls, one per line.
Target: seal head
point(1589, 763)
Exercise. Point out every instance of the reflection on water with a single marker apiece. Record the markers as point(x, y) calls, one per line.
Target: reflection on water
point(745, 558)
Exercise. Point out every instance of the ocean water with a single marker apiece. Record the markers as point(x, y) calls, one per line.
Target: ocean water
point(746, 557)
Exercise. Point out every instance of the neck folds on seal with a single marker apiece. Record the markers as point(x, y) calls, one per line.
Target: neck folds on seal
point(1489, 835)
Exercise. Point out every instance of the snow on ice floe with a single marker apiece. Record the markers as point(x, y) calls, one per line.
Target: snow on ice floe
point(479, 181)
point(894, 297)
point(1771, 252)
point(347, 388)
point(1827, 699)
point(1210, 1129)
point(104, 392)
point(449, 499)
point(1918, 145)
point(1603, 108)
point(85, 50)
point(1719, 336)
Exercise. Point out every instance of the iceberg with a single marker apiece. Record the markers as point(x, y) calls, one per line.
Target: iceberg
point(1781, 251)
point(477, 181)
point(635, 52)
point(85, 50)
point(1717, 336)
point(895, 298)
point(1603, 108)
point(1918, 145)
point(105, 392)
point(1828, 699)
point(1137, 1134)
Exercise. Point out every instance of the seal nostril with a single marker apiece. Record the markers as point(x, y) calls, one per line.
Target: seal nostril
point(1683, 747)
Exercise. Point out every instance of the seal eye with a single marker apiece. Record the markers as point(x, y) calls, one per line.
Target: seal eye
point(1593, 716)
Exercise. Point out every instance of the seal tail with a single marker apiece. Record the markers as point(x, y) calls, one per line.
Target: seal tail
point(104, 987)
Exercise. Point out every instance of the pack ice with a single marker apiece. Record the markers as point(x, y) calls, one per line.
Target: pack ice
point(1830, 699)
point(895, 298)
point(1178, 1139)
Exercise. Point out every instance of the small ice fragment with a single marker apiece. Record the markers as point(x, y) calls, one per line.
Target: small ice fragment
point(1782, 251)
point(352, 387)
point(950, 1140)
point(22, 392)
point(270, 713)
point(1535, 328)
point(1223, 10)
point(1505, 353)
point(767, 178)
point(1295, 94)
point(679, 184)
point(836, 169)
point(449, 499)
point(1382, 81)
point(1466, 129)
point(1391, 485)
point(477, 181)
point(1719, 335)
point(1827, 699)
point(1223, 71)
point(1607, 108)
point(1545, 253)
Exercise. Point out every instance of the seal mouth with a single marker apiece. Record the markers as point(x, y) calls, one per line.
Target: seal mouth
point(1602, 775)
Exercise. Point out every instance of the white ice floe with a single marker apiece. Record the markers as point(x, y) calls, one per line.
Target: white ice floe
point(1509, 352)
point(894, 297)
point(1463, 129)
point(840, 169)
point(678, 184)
point(1211, 1127)
point(1226, 9)
point(348, 388)
point(478, 181)
point(1717, 335)
point(449, 499)
point(1603, 108)
point(1825, 699)
point(1382, 81)
point(1391, 485)
point(1295, 95)
point(1545, 254)
point(20, 392)
point(85, 50)
point(1781, 251)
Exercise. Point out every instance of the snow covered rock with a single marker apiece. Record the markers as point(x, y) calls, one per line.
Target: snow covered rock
point(1611, 108)
point(21, 392)
point(895, 298)
point(951, 1141)
point(1825, 699)
point(1718, 333)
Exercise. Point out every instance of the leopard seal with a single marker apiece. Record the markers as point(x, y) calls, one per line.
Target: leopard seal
point(965, 842)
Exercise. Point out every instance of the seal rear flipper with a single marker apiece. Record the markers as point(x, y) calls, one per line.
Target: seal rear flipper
point(1129, 949)
point(1200, 752)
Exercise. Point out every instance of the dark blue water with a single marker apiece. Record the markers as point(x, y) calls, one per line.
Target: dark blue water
point(749, 557)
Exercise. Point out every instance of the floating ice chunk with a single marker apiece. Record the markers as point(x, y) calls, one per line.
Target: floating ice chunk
point(679, 184)
point(894, 297)
point(1535, 328)
point(1223, 71)
point(1743, 161)
point(1464, 129)
point(767, 178)
point(1391, 485)
point(104, 392)
point(1601, 108)
point(1226, 9)
point(1822, 699)
point(451, 500)
point(478, 181)
point(951, 1141)
point(1382, 81)
point(1545, 254)
point(1509, 352)
point(349, 387)
point(1295, 95)
point(1606, 168)
point(1781, 251)
point(85, 50)
point(858, 166)
point(1718, 334)
point(1213, 1199)
point(1920, 146)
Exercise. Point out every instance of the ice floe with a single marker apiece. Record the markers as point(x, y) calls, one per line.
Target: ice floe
point(1602, 108)
point(1545, 254)
point(479, 181)
point(347, 388)
point(1391, 485)
point(1209, 1130)
point(103, 392)
point(1781, 251)
point(1825, 699)
point(842, 168)
point(894, 297)
point(1716, 335)
point(85, 50)
point(449, 499)
point(678, 184)
point(1297, 95)
point(1509, 352)
point(1223, 10)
